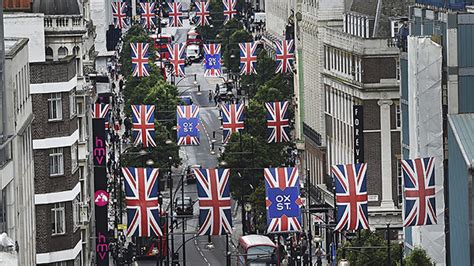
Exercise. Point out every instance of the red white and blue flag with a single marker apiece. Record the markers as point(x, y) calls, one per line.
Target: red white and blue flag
point(214, 201)
point(141, 194)
point(229, 9)
point(140, 59)
point(232, 120)
point(188, 125)
point(283, 201)
point(285, 55)
point(148, 15)
point(175, 14)
point(419, 207)
point(351, 196)
point(248, 58)
point(212, 60)
point(278, 123)
point(143, 129)
point(177, 58)
point(119, 13)
point(100, 110)
point(202, 13)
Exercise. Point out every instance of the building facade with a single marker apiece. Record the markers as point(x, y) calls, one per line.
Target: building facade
point(17, 217)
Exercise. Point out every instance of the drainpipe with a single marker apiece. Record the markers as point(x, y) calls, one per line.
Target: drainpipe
point(3, 96)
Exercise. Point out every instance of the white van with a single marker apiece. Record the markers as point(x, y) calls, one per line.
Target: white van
point(193, 53)
point(259, 17)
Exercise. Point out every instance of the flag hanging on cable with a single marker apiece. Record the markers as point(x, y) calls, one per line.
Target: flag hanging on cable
point(175, 14)
point(248, 58)
point(148, 15)
point(212, 60)
point(419, 206)
point(177, 58)
point(202, 13)
point(278, 123)
point(119, 13)
point(283, 201)
point(214, 201)
point(100, 110)
point(229, 9)
point(232, 120)
point(141, 195)
point(351, 196)
point(285, 55)
point(143, 129)
point(188, 125)
point(140, 59)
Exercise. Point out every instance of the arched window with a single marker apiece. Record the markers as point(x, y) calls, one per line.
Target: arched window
point(62, 52)
point(76, 50)
point(49, 54)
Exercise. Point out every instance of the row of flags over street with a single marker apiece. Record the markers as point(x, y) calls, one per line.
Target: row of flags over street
point(149, 13)
point(285, 56)
point(283, 200)
point(188, 122)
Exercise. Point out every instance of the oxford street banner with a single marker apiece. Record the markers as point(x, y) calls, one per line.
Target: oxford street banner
point(101, 197)
point(188, 125)
point(283, 199)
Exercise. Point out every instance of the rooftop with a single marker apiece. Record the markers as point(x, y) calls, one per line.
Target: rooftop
point(13, 45)
point(56, 7)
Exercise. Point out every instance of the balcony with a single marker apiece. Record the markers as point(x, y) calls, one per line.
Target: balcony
point(65, 24)
point(359, 45)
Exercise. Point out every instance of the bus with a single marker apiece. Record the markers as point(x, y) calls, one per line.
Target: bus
point(257, 250)
point(160, 43)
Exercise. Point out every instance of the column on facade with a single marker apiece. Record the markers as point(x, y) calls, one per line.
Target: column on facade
point(386, 154)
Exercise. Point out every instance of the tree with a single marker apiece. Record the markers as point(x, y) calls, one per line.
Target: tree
point(418, 257)
point(361, 251)
point(232, 48)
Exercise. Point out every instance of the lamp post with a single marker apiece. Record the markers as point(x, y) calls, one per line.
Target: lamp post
point(170, 182)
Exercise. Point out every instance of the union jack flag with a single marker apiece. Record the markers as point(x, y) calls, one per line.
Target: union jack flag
point(175, 14)
point(140, 59)
point(202, 13)
point(119, 12)
point(283, 200)
point(100, 110)
point(188, 125)
point(141, 194)
point(177, 58)
point(212, 60)
point(214, 201)
point(419, 191)
point(285, 55)
point(232, 120)
point(278, 124)
point(351, 196)
point(143, 129)
point(248, 58)
point(229, 9)
point(148, 15)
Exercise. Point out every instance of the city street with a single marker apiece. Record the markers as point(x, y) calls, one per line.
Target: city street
point(197, 248)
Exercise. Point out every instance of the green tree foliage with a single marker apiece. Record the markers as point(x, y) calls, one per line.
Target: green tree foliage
point(232, 48)
point(418, 257)
point(362, 251)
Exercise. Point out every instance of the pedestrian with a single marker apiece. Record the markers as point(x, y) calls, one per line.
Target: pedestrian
point(210, 96)
point(121, 85)
point(215, 99)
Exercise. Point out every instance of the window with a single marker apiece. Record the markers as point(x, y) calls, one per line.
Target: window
point(76, 205)
point(58, 222)
point(398, 113)
point(55, 108)
point(56, 162)
point(62, 52)
point(399, 183)
point(60, 263)
point(74, 158)
point(72, 104)
point(49, 54)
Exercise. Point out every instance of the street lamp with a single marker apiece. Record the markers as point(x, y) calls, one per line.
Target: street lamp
point(150, 162)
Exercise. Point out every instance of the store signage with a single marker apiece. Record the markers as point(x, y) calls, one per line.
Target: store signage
point(101, 197)
point(358, 122)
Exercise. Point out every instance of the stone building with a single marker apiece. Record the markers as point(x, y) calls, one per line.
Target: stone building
point(17, 209)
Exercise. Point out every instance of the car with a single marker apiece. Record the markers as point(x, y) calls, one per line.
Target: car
point(224, 91)
point(184, 207)
point(190, 177)
point(193, 53)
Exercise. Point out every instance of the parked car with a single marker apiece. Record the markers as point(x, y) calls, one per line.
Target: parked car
point(187, 203)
